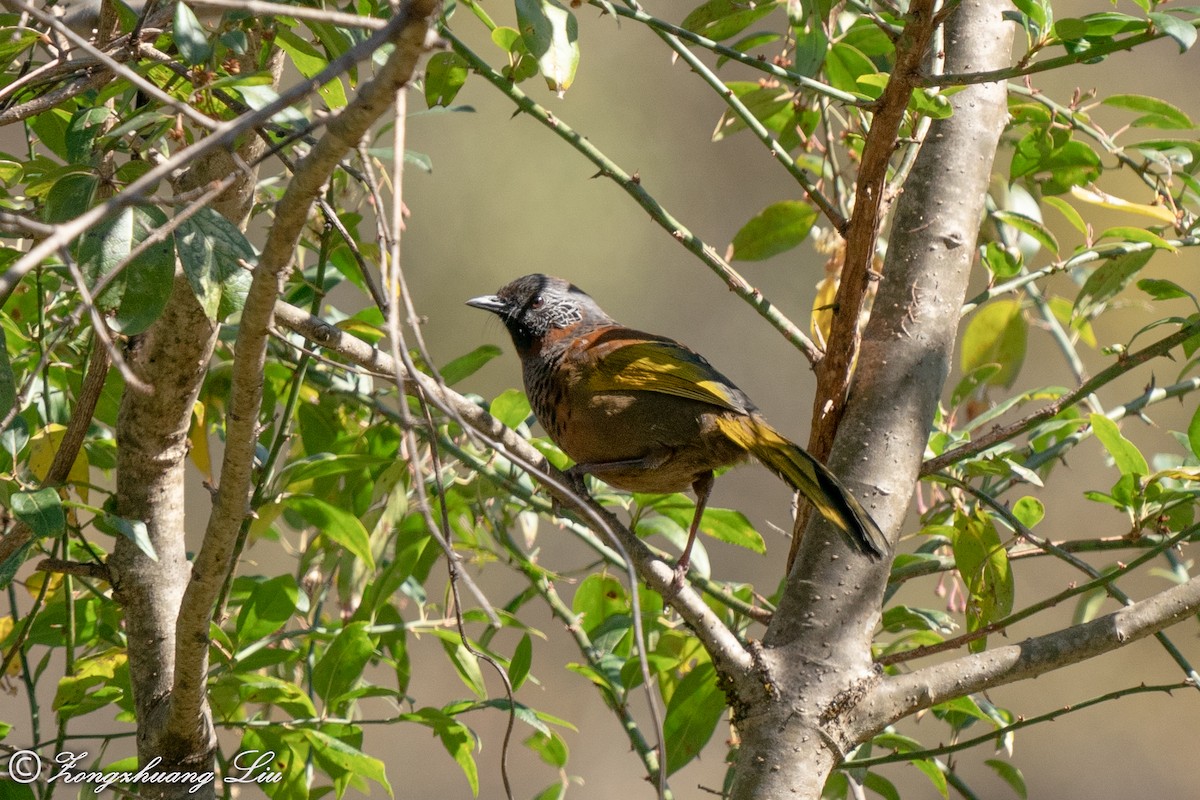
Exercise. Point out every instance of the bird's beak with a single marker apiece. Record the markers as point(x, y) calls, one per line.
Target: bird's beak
point(489, 302)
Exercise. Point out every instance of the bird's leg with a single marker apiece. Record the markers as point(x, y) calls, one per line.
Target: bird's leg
point(702, 486)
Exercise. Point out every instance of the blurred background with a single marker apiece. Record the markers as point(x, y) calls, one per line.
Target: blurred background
point(506, 197)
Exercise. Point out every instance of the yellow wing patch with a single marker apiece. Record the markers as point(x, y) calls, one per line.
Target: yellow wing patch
point(666, 367)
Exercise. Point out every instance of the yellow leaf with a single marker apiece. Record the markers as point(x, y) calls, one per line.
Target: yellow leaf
point(33, 584)
point(42, 449)
point(822, 313)
point(198, 440)
point(1105, 200)
point(6, 627)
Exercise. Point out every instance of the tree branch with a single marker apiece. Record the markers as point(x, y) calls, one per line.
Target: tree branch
point(906, 694)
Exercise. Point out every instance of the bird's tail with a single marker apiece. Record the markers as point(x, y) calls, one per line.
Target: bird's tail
point(810, 478)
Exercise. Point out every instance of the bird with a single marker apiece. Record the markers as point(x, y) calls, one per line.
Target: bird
point(644, 413)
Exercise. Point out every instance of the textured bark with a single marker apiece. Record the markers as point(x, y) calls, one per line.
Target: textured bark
point(816, 651)
point(151, 460)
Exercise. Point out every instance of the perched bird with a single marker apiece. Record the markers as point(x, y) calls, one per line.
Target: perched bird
point(644, 413)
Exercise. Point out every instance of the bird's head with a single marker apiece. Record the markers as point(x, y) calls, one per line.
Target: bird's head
point(538, 309)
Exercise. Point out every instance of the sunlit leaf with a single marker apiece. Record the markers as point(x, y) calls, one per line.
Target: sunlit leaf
point(776, 229)
point(1105, 200)
point(337, 524)
point(997, 334)
point(1125, 454)
point(1107, 281)
point(1158, 113)
point(552, 36)
point(216, 259)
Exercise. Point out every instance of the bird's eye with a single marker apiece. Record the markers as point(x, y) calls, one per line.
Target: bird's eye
point(537, 303)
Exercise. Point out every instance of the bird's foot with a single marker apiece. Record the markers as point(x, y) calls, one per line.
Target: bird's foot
point(678, 580)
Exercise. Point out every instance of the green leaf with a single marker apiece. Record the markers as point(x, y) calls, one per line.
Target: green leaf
point(445, 74)
point(982, 562)
point(518, 668)
point(211, 249)
point(845, 65)
point(340, 667)
point(1070, 28)
point(132, 529)
point(337, 757)
point(309, 62)
point(271, 604)
point(1107, 281)
point(772, 106)
point(598, 598)
point(466, 365)
point(1010, 775)
point(723, 524)
point(720, 19)
point(777, 228)
point(8, 569)
point(1126, 233)
point(1125, 455)
point(1162, 289)
point(466, 664)
point(932, 771)
point(510, 407)
point(140, 291)
point(85, 125)
point(1182, 32)
point(550, 747)
point(190, 37)
point(750, 42)
point(14, 41)
point(999, 261)
point(1029, 510)
point(1030, 227)
point(335, 523)
point(69, 196)
point(1193, 433)
point(1068, 211)
point(8, 382)
point(881, 786)
point(1158, 113)
point(1089, 604)
point(41, 510)
point(997, 334)
point(552, 36)
point(692, 715)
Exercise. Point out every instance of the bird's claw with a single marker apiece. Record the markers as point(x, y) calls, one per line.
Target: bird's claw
point(678, 581)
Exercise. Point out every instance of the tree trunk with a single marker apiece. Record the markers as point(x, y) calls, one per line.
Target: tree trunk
point(816, 652)
point(151, 460)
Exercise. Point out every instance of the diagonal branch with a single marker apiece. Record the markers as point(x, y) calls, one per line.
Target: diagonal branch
point(906, 694)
